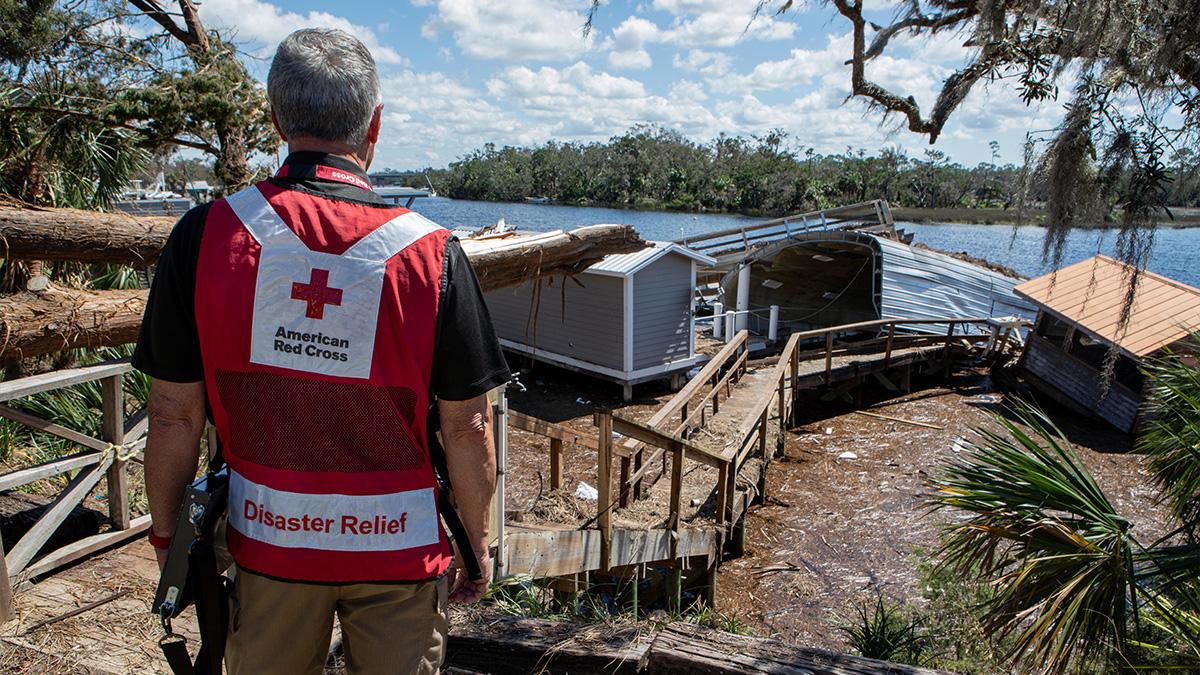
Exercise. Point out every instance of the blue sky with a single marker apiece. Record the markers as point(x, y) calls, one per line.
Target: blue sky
point(460, 73)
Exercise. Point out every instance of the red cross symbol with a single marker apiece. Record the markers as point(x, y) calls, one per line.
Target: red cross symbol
point(316, 293)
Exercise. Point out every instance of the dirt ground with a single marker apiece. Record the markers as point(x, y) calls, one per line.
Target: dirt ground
point(844, 529)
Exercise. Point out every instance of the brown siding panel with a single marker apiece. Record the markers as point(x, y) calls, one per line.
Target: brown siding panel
point(1074, 379)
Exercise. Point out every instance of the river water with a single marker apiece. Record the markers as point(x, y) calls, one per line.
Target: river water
point(1176, 251)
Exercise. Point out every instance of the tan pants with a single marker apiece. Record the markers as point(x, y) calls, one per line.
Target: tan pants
point(285, 628)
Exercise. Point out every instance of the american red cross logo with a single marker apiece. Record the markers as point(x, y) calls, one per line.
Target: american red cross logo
point(316, 293)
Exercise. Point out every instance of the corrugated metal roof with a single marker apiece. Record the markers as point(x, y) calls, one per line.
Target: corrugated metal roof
point(920, 283)
point(1091, 294)
point(627, 264)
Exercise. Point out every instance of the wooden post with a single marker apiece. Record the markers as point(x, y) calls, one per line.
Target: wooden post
point(795, 368)
point(887, 355)
point(906, 379)
point(763, 425)
point(676, 519)
point(637, 466)
point(556, 475)
point(946, 349)
point(783, 416)
point(828, 358)
point(604, 487)
point(623, 482)
point(8, 611)
point(722, 494)
point(113, 430)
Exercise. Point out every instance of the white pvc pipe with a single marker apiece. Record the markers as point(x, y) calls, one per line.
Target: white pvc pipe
point(730, 317)
point(743, 297)
point(718, 319)
point(773, 326)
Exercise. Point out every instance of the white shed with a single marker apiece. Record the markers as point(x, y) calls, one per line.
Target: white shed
point(628, 318)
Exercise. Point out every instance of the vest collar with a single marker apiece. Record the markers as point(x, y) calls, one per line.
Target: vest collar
point(324, 167)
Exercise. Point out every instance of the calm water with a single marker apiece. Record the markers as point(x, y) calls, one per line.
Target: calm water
point(1176, 252)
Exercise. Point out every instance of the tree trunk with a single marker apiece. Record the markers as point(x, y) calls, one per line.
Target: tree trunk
point(85, 236)
point(33, 324)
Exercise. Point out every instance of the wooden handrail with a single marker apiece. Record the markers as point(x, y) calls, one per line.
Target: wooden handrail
point(550, 429)
point(689, 390)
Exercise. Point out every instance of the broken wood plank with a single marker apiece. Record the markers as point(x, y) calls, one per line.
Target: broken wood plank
point(75, 492)
point(68, 554)
point(890, 418)
point(78, 610)
point(520, 646)
point(685, 648)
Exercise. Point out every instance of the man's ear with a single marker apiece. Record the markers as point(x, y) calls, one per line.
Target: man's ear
point(376, 123)
point(278, 130)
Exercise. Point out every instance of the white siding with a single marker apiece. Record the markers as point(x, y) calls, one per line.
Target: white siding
point(662, 301)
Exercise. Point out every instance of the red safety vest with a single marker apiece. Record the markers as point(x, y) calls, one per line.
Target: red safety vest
point(316, 321)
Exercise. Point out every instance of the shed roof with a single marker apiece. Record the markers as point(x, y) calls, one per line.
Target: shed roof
point(628, 264)
point(1091, 294)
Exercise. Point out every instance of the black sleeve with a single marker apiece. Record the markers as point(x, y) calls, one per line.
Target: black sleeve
point(467, 358)
point(168, 346)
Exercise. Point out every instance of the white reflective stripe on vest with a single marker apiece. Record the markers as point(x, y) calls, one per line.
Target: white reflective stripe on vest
point(332, 522)
point(317, 312)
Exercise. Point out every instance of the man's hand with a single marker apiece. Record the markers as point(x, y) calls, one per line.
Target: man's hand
point(464, 591)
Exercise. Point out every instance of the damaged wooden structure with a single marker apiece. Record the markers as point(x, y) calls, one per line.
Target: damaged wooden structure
point(1079, 323)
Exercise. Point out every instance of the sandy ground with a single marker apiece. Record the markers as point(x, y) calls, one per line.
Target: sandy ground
point(847, 528)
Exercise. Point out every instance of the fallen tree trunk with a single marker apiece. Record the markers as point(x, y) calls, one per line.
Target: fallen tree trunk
point(33, 324)
point(87, 236)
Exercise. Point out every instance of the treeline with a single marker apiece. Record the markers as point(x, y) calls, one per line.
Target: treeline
point(654, 168)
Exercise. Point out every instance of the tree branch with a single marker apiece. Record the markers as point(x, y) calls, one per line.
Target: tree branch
point(158, 15)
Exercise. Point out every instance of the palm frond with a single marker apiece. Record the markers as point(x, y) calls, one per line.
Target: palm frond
point(1171, 437)
point(1039, 521)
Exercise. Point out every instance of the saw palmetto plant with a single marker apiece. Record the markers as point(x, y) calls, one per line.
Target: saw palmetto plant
point(1072, 581)
point(1061, 557)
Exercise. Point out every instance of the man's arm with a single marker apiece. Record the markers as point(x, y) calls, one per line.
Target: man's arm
point(176, 412)
point(471, 461)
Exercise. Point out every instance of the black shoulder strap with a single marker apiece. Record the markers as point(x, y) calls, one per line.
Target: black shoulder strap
point(437, 457)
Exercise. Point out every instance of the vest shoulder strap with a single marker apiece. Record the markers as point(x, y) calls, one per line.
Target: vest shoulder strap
point(264, 224)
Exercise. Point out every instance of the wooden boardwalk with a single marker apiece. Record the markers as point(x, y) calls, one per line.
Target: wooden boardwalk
point(673, 492)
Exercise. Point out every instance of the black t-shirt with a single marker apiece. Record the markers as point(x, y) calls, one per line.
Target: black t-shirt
point(467, 356)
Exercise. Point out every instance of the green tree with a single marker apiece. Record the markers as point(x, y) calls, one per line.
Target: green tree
point(84, 98)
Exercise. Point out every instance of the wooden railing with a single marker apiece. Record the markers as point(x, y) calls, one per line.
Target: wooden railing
point(121, 441)
point(558, 435)
point(691, 404)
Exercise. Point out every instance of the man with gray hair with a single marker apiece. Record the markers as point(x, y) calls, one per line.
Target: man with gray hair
point(328, 336)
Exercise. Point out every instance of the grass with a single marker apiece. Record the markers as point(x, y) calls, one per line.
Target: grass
point(525, 597)
point(888, 632)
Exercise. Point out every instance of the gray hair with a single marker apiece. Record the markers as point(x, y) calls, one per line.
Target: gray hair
point(323, 84)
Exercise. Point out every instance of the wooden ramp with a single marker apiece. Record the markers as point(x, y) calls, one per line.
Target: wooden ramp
point(702, 458)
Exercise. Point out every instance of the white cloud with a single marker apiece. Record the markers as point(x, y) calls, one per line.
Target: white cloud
point(628, 43)
point(632, 60)
point(711, 64)
point(518, 30)
point(721, 23)
point(802, 67)
point(582, 103)
point(266, 23)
